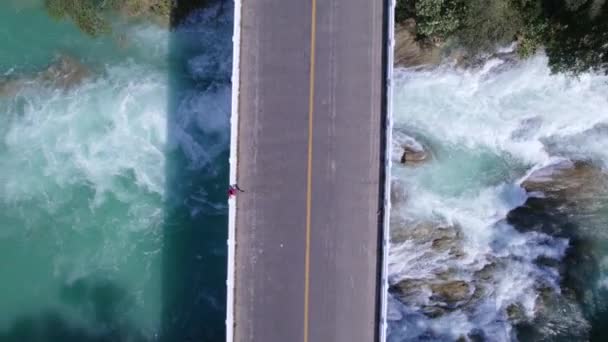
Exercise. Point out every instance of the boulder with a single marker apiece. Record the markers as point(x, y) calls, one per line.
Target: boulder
point(412, 155)
point(569, 200)
point(515, 313)
point(10, 87)
point(440, 238)
point(65, 72)
point(451, 292)
point(565, 179)
point(407, 150)
point(408, 51)
point(421, 232)
point(435, 297)
point(486, 273)
point(434, 311)
point(408, 287)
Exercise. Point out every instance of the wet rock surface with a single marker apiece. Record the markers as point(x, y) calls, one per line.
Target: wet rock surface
point(408, 150)
point(568, 199)
point(451, 292)
point(440, 237)
point(559, 196)
point(567, 181)
point(10, 87)
point(440, 292)
point(435, 297)
point(66, 72)
point(408, 51)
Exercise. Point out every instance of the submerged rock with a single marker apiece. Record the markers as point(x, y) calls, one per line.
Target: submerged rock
point(557, 315)
point(515, 313)
point(438, 291)
point(434, 296)
point(441, 237)
point(398, 192)
point(527, 128)
point(409, 288)
point(451, 292)
point(64, 73)
point(10, 87)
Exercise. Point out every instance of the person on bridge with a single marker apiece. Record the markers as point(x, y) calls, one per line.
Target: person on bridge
point(233, 190)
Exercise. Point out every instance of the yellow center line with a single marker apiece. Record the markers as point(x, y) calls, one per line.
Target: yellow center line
point(311, 98)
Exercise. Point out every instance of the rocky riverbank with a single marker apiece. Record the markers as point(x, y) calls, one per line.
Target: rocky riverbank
point(566, 201)
point(570, 33)
point(499, 204)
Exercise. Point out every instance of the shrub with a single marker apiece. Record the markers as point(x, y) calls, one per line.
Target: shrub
point(85, 14)
point(90, 15)
point(488, 24)
point(574, 33)
point(439, 18)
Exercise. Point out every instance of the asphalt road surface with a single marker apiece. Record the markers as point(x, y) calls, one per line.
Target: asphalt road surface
point(308, 228)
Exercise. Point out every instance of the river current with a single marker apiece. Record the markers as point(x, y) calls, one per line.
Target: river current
point(114, 163)
point(500, 232)
point(113, 166)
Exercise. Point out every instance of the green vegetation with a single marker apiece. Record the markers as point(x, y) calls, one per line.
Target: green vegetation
point(91, 15)
point(86, 14)
point(573, 33)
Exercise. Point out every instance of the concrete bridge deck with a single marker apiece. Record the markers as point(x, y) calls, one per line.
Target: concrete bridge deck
point(311, 159)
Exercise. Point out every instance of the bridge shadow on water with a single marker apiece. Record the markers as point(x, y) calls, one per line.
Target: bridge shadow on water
point(194, 251)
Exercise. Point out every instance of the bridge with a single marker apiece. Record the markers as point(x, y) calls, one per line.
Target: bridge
point(308, 236)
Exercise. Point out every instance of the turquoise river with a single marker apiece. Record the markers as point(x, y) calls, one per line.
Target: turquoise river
point(113, 159)
point(114, 167)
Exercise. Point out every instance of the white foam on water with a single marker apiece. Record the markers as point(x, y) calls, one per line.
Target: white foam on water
point(513, 114)
point(511, 110)
point(101, 130)
point(84, 175)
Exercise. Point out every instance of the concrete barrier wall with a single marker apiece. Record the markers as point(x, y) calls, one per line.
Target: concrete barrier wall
point(387, 171)
point(234, 135)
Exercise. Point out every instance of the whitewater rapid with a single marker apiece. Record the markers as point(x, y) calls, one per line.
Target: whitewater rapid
point(89, 197)
point(486, 129)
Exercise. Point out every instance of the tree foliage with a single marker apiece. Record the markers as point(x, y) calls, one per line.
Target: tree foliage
point(574, 33)
point(489, 23)
point(439, 18)
point(577, 40)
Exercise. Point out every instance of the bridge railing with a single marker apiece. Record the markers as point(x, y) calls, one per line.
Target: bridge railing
point(387, 171)
point(234, 134)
